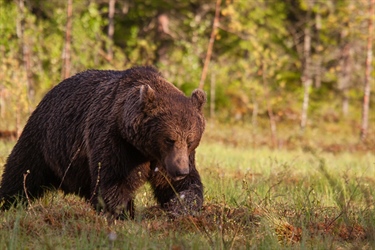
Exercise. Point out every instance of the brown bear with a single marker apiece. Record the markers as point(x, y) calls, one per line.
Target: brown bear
point(102, 134)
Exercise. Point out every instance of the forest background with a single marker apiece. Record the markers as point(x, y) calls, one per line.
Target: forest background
point(289, 72)
point(291, 75)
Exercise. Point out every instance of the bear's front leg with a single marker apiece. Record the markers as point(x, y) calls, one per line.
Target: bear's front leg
point(114, 199)
point(113, 188)
point(117, 170)
point(178, 197)
point(189, 197)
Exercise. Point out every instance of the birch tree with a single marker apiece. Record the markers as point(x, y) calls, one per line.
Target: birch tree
point(25, 49)
point(307, 69)
point(111, 27)
point(366, 94)
point(68, 37)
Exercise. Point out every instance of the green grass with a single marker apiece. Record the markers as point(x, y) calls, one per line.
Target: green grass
point(255, 198)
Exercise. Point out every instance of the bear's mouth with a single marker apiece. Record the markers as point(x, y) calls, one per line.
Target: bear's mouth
point(179, 178)
point(173, 177)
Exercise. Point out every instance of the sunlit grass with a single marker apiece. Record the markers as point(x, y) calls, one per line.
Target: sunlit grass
point(255, 197)
point(292, 167)
point(5, 149)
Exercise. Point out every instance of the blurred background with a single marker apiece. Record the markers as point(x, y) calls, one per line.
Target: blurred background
point(277, 73)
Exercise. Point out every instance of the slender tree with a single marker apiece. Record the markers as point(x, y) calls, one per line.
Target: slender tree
point(318, 54)
point(344, 76)
point(25, 49)
point(210, 44)
point(111, 27)
point(269, 106)
point(212, 94)
point(307, 71)
point(366, 95)
point(345, 56)
point(68, 38)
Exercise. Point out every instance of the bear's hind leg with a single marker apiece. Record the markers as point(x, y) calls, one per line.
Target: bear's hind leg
point(20, 177)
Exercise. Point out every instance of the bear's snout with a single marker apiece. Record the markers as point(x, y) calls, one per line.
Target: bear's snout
point(177, 164)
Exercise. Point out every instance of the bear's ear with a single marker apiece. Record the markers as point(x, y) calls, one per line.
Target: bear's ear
point(198, 97)
point(147, 96)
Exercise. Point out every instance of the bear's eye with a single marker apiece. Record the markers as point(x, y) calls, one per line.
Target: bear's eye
point(190, 143)
point(169, 141)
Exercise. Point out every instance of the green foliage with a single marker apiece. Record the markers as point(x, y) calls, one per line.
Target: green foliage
point(256, 64)
point(88, 40)
point(8, 29)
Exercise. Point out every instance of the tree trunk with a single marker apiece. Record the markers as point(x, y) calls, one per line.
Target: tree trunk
point(210, 44)
point(269, 107)
point(2, 103)
point(25, 51)
point(68, 38)
point(254, 118)
point(306, 74)
point(344, 77)
point(254, 114)
point(212, 94)
point(111, 28)
point(319, 50)
point(366, 95)
point(305, 104)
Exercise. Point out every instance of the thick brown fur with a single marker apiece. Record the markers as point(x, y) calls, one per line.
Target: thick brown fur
point(102, 134)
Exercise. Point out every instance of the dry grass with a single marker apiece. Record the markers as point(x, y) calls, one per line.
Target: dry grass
point(216, 226)
point(254, 198)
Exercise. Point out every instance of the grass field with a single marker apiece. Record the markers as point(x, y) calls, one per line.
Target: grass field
point(255, 198)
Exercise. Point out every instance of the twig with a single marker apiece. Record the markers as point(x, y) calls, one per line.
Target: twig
point(268, 193)
point(174, 190)
point(234, 237)
point(25, 189)
point(97, 181)
point(70, 164)
point(334, 219)
point(67, 169)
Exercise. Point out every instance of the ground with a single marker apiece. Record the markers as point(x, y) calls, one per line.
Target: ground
point(255, 198)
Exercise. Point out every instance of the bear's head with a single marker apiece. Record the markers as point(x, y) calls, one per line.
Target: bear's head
point(172, 126)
